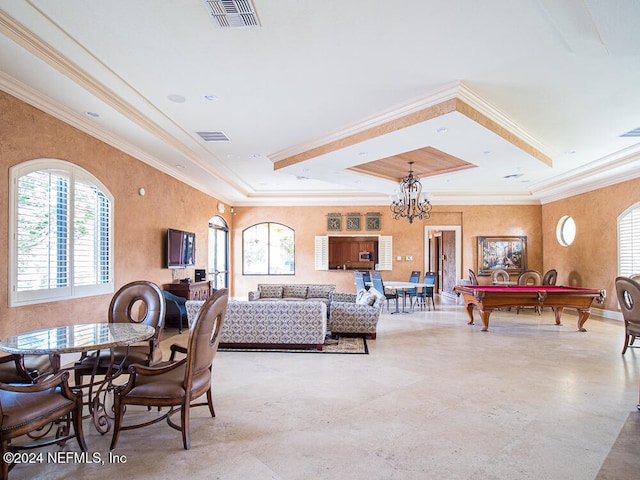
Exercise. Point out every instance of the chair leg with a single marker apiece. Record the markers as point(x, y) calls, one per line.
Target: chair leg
point(626, 343)
point(76, 418)
point(185, 424)
point(210, 402)
point(5, 465)
point(118, 414)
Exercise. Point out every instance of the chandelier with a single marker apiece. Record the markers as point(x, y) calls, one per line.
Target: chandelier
point(410, 201)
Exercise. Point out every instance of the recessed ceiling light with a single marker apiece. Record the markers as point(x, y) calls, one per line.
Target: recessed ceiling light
point(211, 98)
point(442, 130)
point(363, 154)
point(515, 175)
point(176, 98)
point(92, 114)
point(181, 167)
point(487, 152)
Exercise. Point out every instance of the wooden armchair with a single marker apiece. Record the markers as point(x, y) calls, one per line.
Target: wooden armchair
point(628, 291)
point(29, 408)
point(137, 302)
point(13, 370)
point(179, 382)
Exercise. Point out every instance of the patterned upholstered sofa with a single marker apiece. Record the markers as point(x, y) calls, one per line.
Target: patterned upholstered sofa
point(264, 324)
point(348, 316)
point(294, 292)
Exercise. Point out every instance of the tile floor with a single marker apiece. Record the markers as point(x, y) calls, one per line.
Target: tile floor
point(435, 399)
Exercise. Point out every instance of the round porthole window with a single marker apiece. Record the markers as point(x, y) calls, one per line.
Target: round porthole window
point(566, 231)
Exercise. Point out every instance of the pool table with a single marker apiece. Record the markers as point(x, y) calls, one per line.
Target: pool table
point(487, 298)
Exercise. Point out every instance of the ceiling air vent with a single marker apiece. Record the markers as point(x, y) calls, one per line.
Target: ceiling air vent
point(233, 13)
point(213, 136)
point(632, 133)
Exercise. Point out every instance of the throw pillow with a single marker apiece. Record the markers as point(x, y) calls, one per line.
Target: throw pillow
point(295, 291)
point(375, 297)
point(362, 298)
point(271, 291)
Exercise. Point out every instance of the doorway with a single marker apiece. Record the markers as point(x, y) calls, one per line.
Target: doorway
point(443, 255)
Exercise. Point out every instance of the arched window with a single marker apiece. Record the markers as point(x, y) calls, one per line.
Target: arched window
point(629, 241)
point(268, 249)
point(219, 252)
point(60, 233)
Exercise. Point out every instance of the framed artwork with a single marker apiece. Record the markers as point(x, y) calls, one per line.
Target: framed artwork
point(334, 222)
point(372, 221)
point(353, 221)
point(507, 253)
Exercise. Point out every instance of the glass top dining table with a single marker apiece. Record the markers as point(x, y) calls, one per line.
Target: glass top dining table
point(76, 338)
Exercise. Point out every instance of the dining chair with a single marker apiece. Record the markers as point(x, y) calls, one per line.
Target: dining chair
point(628, 292)
point(175, 306)
point(359, 279)
point(500, 275)
point(529, 277)
point(139, 302)
point(16, 368)
point(366, 276)
point(176, 383)
point(13, 370)
point(427, 293)
point(550, 277)
point(50, 408)
point(411, 293)
point(473, 279)
point(378, 284)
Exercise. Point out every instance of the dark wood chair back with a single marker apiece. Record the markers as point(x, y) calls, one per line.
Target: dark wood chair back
point(550, 277)
point(628, 292)
point(139, 302)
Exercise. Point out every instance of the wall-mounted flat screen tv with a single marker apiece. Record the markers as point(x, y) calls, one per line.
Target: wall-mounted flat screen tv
point(181, 249)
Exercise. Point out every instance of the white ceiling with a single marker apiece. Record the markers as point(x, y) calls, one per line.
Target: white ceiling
point(561, 77)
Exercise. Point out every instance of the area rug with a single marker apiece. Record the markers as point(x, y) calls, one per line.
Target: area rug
point(351, 345)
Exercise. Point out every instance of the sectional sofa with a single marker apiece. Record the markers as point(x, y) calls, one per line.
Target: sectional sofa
point(270, 324)
point(313, 292)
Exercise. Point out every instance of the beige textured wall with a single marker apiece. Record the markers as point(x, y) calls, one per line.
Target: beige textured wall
point(140, 222)
point(592, 259)
point(408, 239)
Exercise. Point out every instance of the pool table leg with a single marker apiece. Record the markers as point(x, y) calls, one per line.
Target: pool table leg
point(558, 312)
point(484, 315)
point(583, 315)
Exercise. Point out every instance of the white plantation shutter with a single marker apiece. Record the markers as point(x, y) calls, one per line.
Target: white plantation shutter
point(322, 253)
point(629, 241)
point(385, 252)
point(91, 237)
point(43, 231)
point(60, 233)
